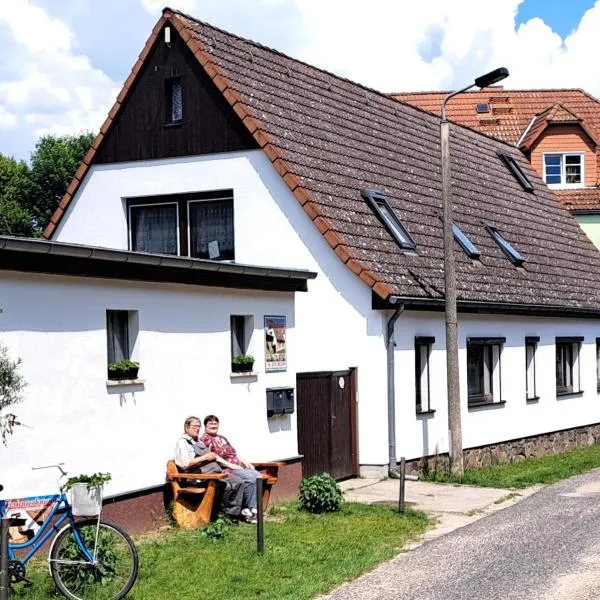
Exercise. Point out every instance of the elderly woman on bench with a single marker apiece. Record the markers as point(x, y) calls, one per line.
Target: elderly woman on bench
point(237, 466)
point(193, 456)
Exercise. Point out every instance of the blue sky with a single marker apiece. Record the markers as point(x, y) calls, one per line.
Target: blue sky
point(562, 15)
point(64, 61)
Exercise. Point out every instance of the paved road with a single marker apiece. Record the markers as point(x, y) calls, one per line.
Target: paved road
point(546, 547)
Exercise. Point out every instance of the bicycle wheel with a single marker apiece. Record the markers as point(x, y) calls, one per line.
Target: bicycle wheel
point(109, 578)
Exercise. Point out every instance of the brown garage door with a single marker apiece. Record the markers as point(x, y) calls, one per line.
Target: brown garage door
point(327, 423)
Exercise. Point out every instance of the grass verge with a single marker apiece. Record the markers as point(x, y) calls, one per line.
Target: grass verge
point(541, 469)
point(305, 555)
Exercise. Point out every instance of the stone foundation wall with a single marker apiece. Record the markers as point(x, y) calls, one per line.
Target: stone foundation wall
point(511, 451)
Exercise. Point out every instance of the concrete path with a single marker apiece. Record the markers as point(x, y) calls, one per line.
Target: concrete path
point(452, 505)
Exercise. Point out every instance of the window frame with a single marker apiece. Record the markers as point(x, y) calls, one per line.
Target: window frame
point(423, 347)
point(491, 367)
point(170, 83)
point(183, 221)
point(515, 168)
point(508, 250)
point(386, 215)
point(465, 243)
point(135, 206)
point(131, 326)
point(563, 172)
point(531, 343)
point(571, 369)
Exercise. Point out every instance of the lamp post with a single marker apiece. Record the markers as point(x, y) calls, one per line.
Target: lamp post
point(452, 374)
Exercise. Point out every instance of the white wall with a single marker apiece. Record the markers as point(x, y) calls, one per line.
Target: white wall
point(57, 326)
point(335, 326)
point(418, 436)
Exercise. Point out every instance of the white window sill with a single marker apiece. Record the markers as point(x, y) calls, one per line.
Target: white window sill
point(122, 382)
point(244, 374)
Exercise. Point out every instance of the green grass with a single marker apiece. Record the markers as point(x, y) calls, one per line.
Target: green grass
point(305, 555)
point(541, 469)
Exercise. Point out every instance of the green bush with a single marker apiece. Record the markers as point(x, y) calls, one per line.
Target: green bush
point(320, 493)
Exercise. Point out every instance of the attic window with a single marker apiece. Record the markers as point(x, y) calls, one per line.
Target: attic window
point(174, 100)
point(517, 172)
point(386, 215)
point(510, 252)
point(465, 243)
point(484, 107)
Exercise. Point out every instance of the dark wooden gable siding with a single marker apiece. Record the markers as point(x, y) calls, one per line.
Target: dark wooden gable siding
point(140, 131)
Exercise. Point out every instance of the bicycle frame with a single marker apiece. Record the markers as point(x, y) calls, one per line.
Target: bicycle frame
point(48, 528)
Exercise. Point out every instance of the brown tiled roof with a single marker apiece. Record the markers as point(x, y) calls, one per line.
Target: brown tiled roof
point(579, 200)
point(511, 110)
point(328, 138)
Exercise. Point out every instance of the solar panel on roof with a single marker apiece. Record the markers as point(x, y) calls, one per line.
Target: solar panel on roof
point(484, 107)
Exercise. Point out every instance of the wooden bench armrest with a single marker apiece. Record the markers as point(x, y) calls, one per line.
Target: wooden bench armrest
point(267, 465)
point(197, 476)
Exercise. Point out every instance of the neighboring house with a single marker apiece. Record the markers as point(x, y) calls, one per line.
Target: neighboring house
point(557, 130)
point(221, 153)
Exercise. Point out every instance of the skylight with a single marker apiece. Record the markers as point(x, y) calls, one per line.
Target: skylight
point(517, 172)
point(483, 107)
point(466, 244)
point(378, 202)
point(510, 252)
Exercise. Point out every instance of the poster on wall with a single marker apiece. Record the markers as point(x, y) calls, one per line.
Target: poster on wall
point(275, 351)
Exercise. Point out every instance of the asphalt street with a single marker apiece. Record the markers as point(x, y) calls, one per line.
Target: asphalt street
point(546, 547)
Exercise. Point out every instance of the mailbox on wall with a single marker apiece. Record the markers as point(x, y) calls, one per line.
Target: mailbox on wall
point(280, 401)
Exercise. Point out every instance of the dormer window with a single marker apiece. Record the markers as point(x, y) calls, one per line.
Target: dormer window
point(563, 170)
point(517, 172)
point(505, 246)
point(378, 202)
point(174, 97)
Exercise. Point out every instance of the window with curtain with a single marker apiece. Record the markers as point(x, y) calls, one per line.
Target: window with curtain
point(211, 229)
point(117, 335)
point(154, 228)
point(483, 370)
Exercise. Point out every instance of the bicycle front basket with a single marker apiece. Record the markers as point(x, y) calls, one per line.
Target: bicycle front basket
point(86, 502)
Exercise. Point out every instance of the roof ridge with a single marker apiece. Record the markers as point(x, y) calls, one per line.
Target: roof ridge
point(286, 56)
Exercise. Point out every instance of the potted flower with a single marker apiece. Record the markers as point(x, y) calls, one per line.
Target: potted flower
point(86, 493)
point(124, 369)
point(242, 363)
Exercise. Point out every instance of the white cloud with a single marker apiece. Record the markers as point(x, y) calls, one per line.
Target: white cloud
point(54, 89)
point(46, 84)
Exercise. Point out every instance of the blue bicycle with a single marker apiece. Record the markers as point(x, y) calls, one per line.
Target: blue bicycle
point(88, 559)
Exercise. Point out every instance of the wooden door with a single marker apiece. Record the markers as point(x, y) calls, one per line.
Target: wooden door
point(327, 437)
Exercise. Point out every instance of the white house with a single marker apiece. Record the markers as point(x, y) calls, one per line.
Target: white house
point(220, 153)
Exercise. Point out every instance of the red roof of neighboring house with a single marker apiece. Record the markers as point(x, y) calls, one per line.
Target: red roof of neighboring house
point(519, 117)
point(328, 138)
point(511, 111)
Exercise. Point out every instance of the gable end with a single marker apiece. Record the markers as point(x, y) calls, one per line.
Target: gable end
point(143, 128)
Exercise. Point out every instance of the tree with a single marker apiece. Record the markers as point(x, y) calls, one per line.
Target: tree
point(30, 194)
point(11, 386)
point(53, 164)
point(16, 190)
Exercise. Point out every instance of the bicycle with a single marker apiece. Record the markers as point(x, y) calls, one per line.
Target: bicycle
point(88, 559)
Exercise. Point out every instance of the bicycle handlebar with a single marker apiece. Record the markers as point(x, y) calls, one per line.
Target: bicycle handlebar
point(59, 466)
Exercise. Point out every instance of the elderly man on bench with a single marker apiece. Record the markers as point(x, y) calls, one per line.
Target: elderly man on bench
point(192, 456)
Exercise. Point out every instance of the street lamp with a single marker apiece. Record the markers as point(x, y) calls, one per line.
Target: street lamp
point(452, 375)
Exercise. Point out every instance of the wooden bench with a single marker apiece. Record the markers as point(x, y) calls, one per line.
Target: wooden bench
point(195, 505)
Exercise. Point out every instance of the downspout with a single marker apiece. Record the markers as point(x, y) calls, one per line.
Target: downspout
point(391, 393)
